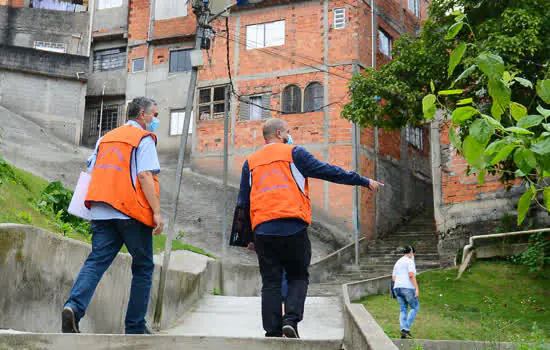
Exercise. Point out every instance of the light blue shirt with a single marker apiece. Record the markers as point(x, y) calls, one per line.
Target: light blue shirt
point(144, 158)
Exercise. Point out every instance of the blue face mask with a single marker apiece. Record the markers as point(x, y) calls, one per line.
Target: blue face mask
point(289, 141)
point(152, 127)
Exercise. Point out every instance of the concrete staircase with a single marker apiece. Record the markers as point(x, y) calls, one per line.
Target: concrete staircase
point(381, 255)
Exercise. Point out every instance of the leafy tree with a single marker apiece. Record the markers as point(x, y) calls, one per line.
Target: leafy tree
point(499, 100)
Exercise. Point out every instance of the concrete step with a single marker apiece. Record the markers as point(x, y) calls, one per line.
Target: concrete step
point(52, 341)
point(392, 260)
point(326, 289)
point(240, 317)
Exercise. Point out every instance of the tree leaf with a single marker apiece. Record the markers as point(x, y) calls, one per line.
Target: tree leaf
point(481, 177)
point(543, 90)
point(506, 77)
point(460, 115)
point(546, 126)
point(524, 204)
point(525, 160)
point(519, 131)
point(495, 147)
point(473, 152)
point(546, 195)
point(464, 74)
point(455, 141)
point(503, 154)
point(450, 92)
point(501, 95)
point(530, 121)
point(541, 147)
point(481, 130)
point(465, 101)
point(428, 106)
point(518, 111)
point(456, 57)
point(490, 64)
point(432, 86)
point(524, 82)
point(545, 112)
point(495, 123)
point(454, 30)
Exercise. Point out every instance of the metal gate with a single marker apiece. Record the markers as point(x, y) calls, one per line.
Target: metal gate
point(113, 116)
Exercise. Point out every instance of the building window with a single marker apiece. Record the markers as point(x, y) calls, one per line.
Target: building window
point(138, 64)
point(255, 107)
point(265, 35)
point(414, 136)
point(49, 46)
point(339, 18)
point(107, 60)
point(292, 99)
point(180, 61)
point(313, 97)
point(384, 43)
point(212, 103)
point(177, 120)
point(414, 6)
point(107, 4)
point(165, 9)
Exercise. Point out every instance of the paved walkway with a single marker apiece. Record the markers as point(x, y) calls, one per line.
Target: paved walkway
point(240, 317)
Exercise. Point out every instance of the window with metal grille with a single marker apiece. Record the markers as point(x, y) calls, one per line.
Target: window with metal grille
point(49, 46)
point(292, 100)
point(265, 35)
point(313, 97)
point(180, 61)
point(339, 18)
point(255, 107)
point(414, 136)
point(414, 6)
point(138, 64)
point(107, 60)
point(384, 43)
point(212, 102)
point(177, 119)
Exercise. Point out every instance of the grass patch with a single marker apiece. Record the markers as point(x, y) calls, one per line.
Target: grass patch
point(493, 301)
point(17, 205)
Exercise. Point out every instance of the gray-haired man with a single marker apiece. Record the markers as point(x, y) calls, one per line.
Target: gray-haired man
point(123, 197)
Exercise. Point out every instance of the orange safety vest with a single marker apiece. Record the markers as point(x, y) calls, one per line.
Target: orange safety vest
point(111, 181)
point(278, 189)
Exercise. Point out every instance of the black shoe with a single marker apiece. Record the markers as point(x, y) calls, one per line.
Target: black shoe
point(405, 334)
point(290, 331)
point(68, 321)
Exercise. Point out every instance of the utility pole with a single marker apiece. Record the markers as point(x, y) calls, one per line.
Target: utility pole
point(225, 166)
point(200, 8)
point(355, 160)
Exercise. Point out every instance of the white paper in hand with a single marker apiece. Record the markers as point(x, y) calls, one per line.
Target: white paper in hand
point(77, 207)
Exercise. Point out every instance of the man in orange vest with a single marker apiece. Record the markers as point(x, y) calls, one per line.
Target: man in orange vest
point(274, 184)
point(123, 197)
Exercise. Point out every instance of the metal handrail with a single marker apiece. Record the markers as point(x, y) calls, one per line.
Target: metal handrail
point(468, 249)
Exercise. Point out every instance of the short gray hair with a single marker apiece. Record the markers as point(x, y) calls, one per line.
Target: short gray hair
point(139, 104)
point(271, 126)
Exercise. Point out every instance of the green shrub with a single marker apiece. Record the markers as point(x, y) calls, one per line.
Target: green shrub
point(537, 255)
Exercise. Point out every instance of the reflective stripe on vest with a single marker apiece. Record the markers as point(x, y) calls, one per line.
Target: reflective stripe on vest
point(111, 181)
point(278, 189)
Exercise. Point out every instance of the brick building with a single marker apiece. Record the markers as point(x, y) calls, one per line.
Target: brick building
point(44, 64)
point(293, 60)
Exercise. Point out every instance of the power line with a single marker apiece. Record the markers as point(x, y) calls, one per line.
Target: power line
point(287, 57)
point(239, 97)
point(279, 55)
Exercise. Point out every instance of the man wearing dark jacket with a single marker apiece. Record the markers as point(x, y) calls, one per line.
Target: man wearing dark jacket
point(274, 184)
